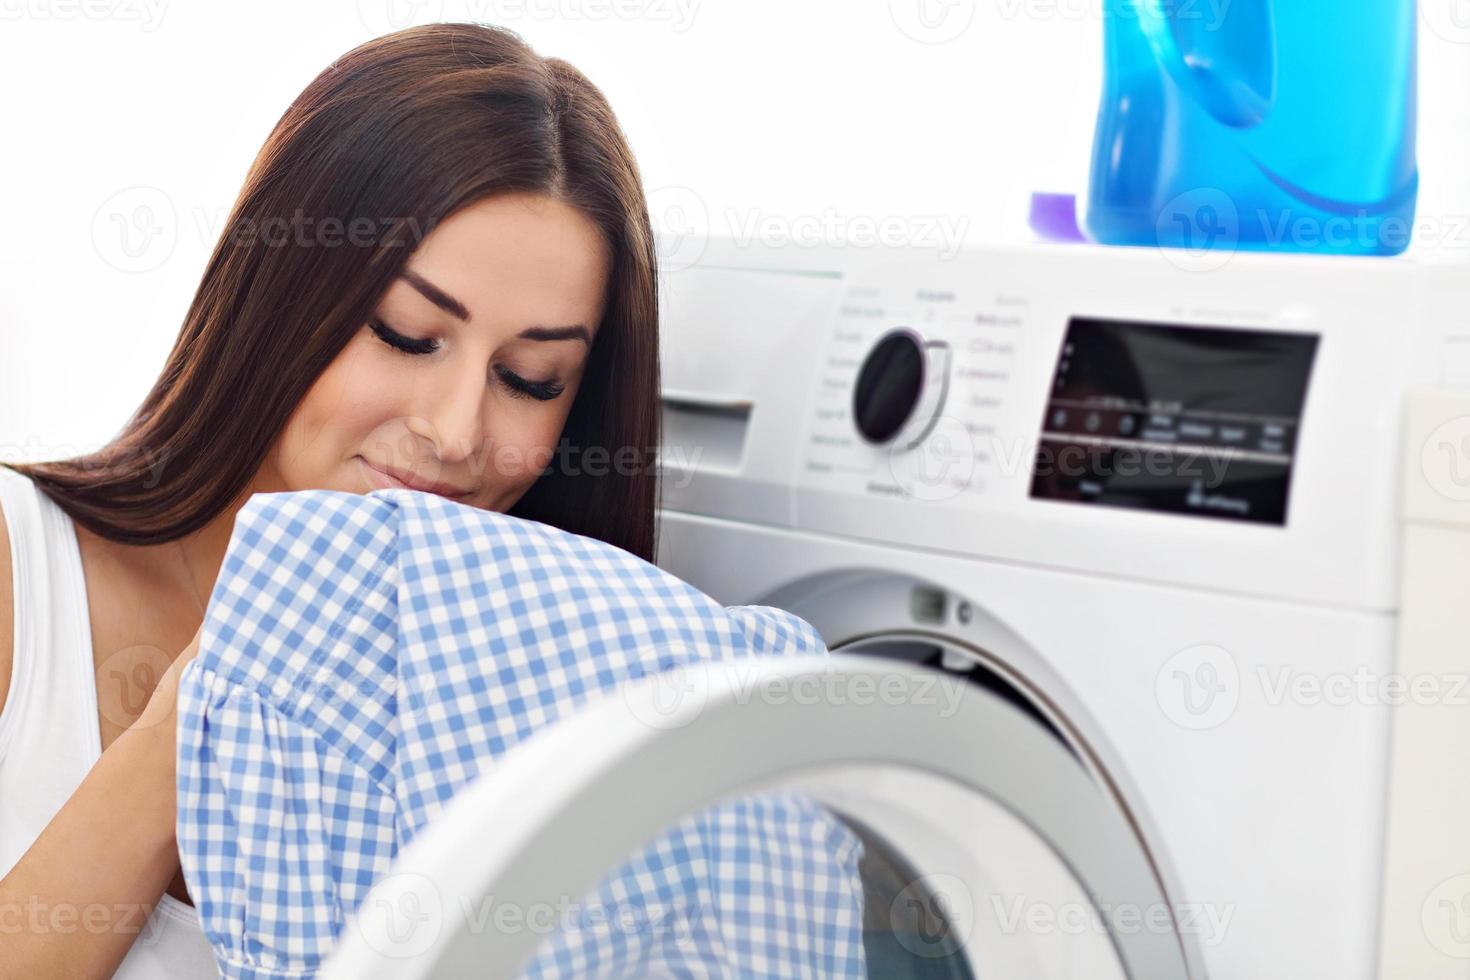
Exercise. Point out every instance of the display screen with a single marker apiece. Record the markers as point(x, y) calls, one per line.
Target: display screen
point(1200, 421)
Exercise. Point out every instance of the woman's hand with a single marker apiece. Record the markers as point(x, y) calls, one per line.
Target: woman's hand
point(164, 699)
point(166, 694)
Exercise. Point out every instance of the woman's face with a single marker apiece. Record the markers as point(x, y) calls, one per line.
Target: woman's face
point(462, 383)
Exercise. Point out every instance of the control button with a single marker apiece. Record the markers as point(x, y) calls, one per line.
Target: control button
point(900, 389)
point(1126, 425)
point(1094, 422)
point(1059, 418)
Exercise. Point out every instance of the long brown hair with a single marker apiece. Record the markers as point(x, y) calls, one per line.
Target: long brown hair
point(401, 132)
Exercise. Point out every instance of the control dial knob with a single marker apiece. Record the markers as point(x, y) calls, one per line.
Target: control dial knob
point(900, 389)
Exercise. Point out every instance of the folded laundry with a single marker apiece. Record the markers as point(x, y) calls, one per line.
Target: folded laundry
point(363, 657)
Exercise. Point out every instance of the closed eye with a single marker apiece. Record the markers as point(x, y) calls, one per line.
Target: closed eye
point(518, 386)
point(521, 388)
point(396, 340)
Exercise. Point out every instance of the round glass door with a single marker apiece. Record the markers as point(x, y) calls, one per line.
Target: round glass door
point(823, 817)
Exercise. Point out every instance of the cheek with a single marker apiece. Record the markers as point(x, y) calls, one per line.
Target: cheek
point(354, 400)
point(521, 449)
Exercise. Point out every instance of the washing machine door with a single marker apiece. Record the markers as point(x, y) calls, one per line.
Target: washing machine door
point(785, 817)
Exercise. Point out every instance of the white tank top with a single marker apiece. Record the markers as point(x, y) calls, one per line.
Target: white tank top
point(49, 736)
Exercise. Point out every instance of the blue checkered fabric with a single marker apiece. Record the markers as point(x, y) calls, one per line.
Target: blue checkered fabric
point(363, 657)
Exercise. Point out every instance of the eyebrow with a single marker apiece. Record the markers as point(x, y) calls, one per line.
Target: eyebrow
point(448, 303)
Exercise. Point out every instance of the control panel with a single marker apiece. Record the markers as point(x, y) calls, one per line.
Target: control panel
point(1181, 419)
point(912, 393)
point(1096, 410)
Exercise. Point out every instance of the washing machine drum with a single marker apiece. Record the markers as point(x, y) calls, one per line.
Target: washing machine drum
point(806, 817)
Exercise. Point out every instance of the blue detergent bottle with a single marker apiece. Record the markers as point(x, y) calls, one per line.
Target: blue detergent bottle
point(1258, 125)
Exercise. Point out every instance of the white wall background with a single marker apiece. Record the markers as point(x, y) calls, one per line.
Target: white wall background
point(741, 111)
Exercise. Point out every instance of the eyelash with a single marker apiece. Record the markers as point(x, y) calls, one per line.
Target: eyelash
point(398, 341)
point(519, 386)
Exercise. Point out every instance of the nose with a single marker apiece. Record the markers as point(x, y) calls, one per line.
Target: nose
point(457, 414)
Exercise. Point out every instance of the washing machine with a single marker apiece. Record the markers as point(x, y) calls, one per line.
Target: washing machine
point(1143, 576)
point(1199, 519)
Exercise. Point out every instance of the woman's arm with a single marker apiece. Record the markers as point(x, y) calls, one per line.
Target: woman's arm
point(7, 614)
point(82, 893)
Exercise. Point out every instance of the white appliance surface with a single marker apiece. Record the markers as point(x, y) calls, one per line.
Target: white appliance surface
point(1215, 664)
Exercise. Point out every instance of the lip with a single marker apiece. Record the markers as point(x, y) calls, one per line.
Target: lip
point(385, 479)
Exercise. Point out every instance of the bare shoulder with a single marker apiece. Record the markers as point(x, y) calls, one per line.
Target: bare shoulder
point(7, 613)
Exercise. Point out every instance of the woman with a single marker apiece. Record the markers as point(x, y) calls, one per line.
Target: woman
point(439, 274)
